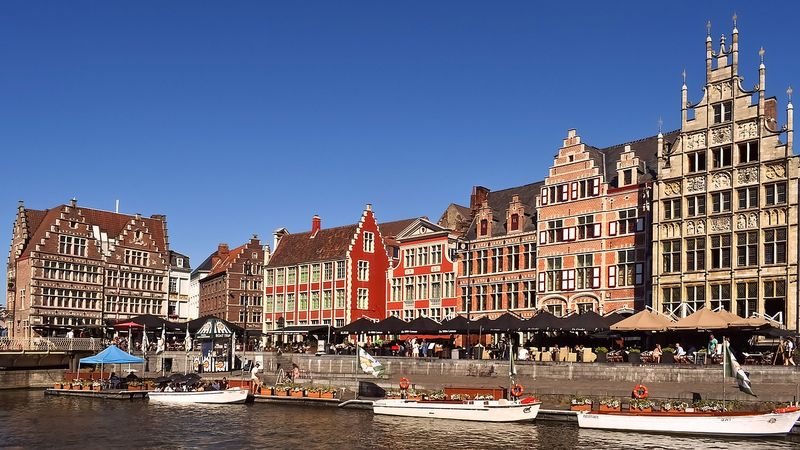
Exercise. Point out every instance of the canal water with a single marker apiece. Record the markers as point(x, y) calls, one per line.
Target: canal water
point(28, 419)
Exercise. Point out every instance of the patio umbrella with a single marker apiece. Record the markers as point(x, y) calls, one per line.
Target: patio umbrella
point(644, 320)
point(614, 317)
point(456, 325)
point(421, 325)
point(542, 321)
point(389, 325)
point(587, 321)
point(702, 319)
point(506, 322)
point(359, 326)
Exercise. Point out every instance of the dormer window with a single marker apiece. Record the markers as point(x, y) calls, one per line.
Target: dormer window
point(514, 222)
point(484, 227)
point(137, 235)
point(627, 177)
point(723, 112)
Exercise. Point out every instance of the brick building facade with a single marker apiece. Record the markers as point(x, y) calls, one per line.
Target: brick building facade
point(725, 225)
point(233, 289)
point(72, 267)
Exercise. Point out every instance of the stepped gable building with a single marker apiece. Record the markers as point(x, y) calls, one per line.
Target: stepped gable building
point(330, 275)
point(72, 267)
point(725, 204)
point(422, 281)
point(593, 227)
point(233, 288)
point(179, 277)
point(498, 254)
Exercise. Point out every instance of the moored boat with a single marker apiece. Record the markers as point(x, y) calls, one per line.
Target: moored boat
point(777, 422)
point(227, 396)
point(501, 410)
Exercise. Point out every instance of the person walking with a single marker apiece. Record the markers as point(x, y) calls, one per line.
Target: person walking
point(255, 381)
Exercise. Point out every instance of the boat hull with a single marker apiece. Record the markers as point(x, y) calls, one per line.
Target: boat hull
point(227, 396)
point(688, 423)
point(480, 411)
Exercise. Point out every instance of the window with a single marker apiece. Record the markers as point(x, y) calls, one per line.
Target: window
point(721, 251)
point(722, 157)
point(555, 231)
point(775, 246)
point(672, 209)
point(340, 298)
point(132, 257)
point(747, 249)
point(436, 285)
point(450, 284)
point(279, 303)
point(341, 269)
point(436, 254)
point(422, 287)
point(697, 161)
point(695, 297)
point(721, 202)
point(483, 261)
point(553, 274)
point(722, 112)
point(279, 277)
point(397, 289)
point(775, 299)
point(409, 257)
point(629, 223)
point(695, 254)
point(303, 274)
point(627, 177)
point(290, 302)
point(291, 276)
point(369, 242)
point(497, 260)
point(512, 295)
point(484, 227)
point(748, 152)
point(530, 256)
point(268, 302)
point(776, 193)
point(179, 262)
point(302, 301)
point(587, 229)
point(746, 298)
point(480, 298)
point(315, 270)
point(327, 271)
point(435, 314)
point(588, 276)
point(409, 288)
point(748, 197)
point(315, 301)
point(363, 271)
point(556, 310)
point(514, 222)
point(422, 256)
point(497, 296)
point(529, 294)
point(339, 323)
point(672, 255)
point(256, 317)
point(512, 258)
point(242, 315)
point(173, 285)
point(721, 296)
point(270, 277)
point(696, 205)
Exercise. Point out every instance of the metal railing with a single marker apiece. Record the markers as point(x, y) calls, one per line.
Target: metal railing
point(53, 344)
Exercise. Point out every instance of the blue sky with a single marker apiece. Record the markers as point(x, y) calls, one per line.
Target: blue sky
point(235, 118)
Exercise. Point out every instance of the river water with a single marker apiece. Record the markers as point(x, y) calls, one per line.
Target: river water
point(28, 419)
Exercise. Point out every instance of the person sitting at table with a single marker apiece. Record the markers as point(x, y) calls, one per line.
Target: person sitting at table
point(680, 354)
point(114, 380)
point(657, 354)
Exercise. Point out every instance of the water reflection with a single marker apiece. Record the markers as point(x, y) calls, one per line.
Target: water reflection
point(31, 420)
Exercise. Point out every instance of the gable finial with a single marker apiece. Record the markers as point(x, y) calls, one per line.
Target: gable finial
point(683, 74)
point(735, 16)
point(660, 124)
point(761, 54)
point(708, 29)
point(789, 91)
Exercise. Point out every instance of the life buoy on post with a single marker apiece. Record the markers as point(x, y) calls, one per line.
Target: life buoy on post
point(517, 390)
point(640, 391)
point(404, 383)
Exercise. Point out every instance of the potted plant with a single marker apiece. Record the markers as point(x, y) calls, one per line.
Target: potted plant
point(87, 386)
point(96, 386)
point(297, 391)
point(601, 354)
point(641, 405)
point(313, 392)
point(392, 393)
point(437, 395)
point(668, 355)
point(709, 406)
point(282, 391)
point(134, 386)
point(674, 406)
point(58, 385)
point(579, 403)
point(635, 355)
point(610, 404)
point(328, 392)
point(412, 394)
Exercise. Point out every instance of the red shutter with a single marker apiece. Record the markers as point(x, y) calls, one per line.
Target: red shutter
point(541, 281)
point(564, 192)
point(596, 230)
point(595, 277)
point(612, 228)
point(543, 237)
point(612, 276)
point(596, 186)
point(574, 188)
point(545, 195)
point(640, 224)
point(639, 273)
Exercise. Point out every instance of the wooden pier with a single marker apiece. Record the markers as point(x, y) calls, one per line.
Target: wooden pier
point(113, 394)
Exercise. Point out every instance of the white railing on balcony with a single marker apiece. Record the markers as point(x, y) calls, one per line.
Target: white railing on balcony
point(53, 344)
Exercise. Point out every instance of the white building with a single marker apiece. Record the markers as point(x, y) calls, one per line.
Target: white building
point(179, 275)
point(199, 273)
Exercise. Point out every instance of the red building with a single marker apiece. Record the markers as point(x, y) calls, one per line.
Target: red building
point(233, 289)
point(422, 281)
point(329, 275)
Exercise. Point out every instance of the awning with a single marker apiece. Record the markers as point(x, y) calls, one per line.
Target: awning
point(359, 326)
point(542, 321)
point(112, 355)
point(421, 325)
point(214, 328)
point(506, 322)
point(644, 320)
point(302, 329)
point(587, 321)
point(702, 319)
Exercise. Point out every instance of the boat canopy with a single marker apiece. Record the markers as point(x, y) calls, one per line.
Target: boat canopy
point(112, 355)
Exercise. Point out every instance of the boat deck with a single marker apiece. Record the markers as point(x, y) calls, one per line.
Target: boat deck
point(113, 394)
point(297, 400)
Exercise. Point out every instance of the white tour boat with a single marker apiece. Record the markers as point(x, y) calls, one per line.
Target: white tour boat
point(778, 422)
point(233, 395)
point(501, 410)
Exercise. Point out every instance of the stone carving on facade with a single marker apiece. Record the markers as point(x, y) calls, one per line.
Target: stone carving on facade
point(746, 221)
point(721, 180)
point(775, 171)
point(775, 216)
point(722, 90)
point(696, 140)
point(748, 175)
point(671, 230)
point(672, 188)
point(690, 228)
point(747, 130)
point(696, 184)
point(721, 224)
point(721, 135)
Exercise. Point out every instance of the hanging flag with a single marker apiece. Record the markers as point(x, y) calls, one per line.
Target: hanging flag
point(145, 341)
point(187, 341)
point(162, 341)
point(736, 371)
point(369, 364)
point(512, 369)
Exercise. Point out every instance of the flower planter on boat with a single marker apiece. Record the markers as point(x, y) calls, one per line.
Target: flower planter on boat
point(584, 407)
point(326, 395)
point(297, 394)
point(606, 408)
point(313, 394)
point(58, 385)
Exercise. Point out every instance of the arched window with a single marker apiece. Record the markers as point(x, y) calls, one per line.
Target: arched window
point(514, 222)
point(484, 227)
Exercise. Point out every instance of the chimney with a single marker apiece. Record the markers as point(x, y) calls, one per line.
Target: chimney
point(479, 195)
point(316, 224)
point(222, 252)
point(73, 202)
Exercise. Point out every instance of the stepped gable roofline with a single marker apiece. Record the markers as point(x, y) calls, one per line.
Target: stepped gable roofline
point(500, 200)
point(112, 223)
point(646, 149)
point(224, 264)
point(205, 266)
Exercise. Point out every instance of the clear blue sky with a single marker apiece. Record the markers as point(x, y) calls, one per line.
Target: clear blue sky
point(235, 118)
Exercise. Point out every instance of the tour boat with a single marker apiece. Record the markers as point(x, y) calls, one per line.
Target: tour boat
point(233, 395)
point(501, 410)
point(778, 422)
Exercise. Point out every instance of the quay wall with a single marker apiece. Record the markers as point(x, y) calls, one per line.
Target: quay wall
point(26, 379)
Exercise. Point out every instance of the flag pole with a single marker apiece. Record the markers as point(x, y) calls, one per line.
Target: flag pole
point(724, 369)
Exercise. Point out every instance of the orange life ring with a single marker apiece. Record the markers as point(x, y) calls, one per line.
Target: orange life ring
point(517, 390)
point(404, 383)
point(640, 391)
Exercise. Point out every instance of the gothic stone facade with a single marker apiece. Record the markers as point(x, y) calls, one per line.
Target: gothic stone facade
point(72, 267)
point(725, 205)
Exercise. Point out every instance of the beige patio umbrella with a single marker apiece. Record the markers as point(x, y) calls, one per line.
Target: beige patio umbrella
point(702, 319)
point(738, 321)
point(643, 321)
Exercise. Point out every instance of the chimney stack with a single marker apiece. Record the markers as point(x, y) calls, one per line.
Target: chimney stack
point(316, 224)
point(479, 195)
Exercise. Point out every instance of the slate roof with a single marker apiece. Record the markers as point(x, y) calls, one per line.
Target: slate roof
point(328, 244)
point(224, 264)
point(205, 266)
point(499, 200)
